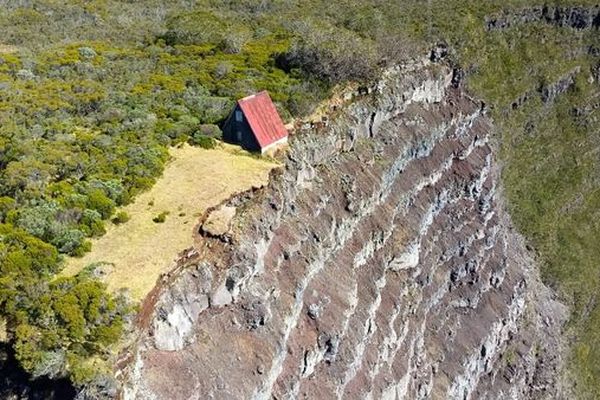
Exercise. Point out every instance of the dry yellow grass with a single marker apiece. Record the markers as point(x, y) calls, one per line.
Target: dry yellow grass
point(194, 180)
point(7, 49)
point(3, 332)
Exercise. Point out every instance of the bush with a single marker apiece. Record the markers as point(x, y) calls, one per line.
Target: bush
point(198, 27)
point(97, 200)
point(91, 223)
point(210, 130)
point(70, 242)
point(39, 220)
point(7, 204)
point(87, 52)
point(84, 247)
point(49, 320)
point(120, 218)
point(160, 218)
point(202, 141)
point(330, 54)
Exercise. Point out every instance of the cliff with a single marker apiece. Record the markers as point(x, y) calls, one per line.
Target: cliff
point(380, 263)
point(576, 17)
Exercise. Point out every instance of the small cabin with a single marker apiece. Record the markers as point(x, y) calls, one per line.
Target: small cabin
point(255, 124)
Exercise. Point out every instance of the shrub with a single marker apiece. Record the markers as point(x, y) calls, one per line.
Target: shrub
point(235, 39)
point(160, 218)
point(198, 27)
point(38, 220)
point(202, 141)
point(87, 52)
point(70, 242)
point(25, 74)
point(97, 200)
point(87, 124)
point(210, 130)
point(330, 54)
point(7, 204)
point(211, 109)
point(91, 223)
point(120, 218)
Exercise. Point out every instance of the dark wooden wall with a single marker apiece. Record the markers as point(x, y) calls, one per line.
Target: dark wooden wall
point(231, 127)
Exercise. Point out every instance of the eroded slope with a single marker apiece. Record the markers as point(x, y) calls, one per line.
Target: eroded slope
point(379, 264)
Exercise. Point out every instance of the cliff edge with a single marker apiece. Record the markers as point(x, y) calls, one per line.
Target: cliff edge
point(380, 263)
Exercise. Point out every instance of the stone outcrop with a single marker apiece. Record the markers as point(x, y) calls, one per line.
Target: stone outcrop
point(549, 93)
point(562, 16)
point(380, 263)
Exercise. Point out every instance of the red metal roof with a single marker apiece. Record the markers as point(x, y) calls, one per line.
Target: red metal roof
point(265, 122)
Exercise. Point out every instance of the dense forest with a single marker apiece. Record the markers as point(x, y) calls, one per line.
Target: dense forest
point(92, 93)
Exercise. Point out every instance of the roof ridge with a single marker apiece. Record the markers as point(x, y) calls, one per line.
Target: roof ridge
point(263, 118)
point(249, 97)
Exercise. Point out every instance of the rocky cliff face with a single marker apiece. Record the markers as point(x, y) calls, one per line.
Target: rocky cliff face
point(562, 16)
point(379, 263)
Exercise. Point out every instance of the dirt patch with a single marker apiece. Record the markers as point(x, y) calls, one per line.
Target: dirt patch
point(7, 49)
point(140, 250)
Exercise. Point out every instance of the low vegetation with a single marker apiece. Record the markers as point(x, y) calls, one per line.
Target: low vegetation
point(59, 326)
point(120, 218)
point(160, 218)
point(88, 114)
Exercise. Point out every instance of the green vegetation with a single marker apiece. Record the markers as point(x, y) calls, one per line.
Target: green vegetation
point(85, 124)
point(135, 254)
point(160, 218)
point(58, 325)
point(120, 218)
point(87, 115)
point(552, 169)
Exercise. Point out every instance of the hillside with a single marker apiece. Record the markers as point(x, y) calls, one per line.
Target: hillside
point(94, 94)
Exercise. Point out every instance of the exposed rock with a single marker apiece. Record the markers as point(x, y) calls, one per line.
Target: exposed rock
point(218, 222)
point(179, 307)
point(314, 310)
point(439, 53)
point(562, 16)
point(550, 92)
point(379, 264)
point(222, 296)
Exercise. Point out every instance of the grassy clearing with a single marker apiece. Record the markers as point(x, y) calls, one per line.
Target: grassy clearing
point(139, 250)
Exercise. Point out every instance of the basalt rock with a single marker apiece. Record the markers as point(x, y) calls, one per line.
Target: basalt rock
point(562, 16)
point(550, 92)
point(379, 264)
